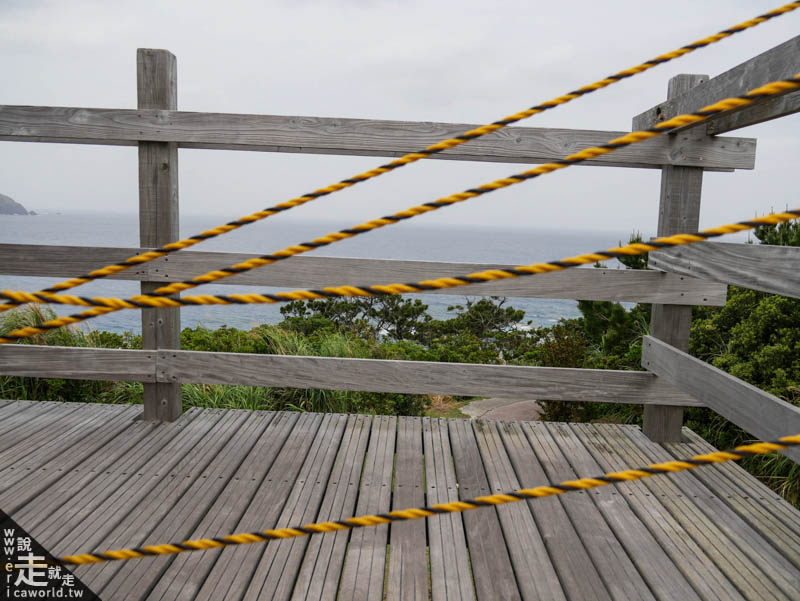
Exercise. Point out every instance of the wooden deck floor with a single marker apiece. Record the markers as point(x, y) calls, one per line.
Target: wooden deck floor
point(81, 477)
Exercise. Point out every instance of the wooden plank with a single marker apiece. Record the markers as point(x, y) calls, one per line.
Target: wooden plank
point(66, 426)
point(97, 510)
point(165, 501)
point(99, 476)
point(134, 580)
point(666, 581)
point(365, 563)
point(492, 570)
point(77, 465)
point(710, 534)
point(608, 555)
point(30, 423)
point(737, 478)
point(157, 88)
point(277, 571)
point(757, 266)
point(318, 579)
point(758, 412)
point(617, 285)
point(187, 573)
point(234, 567)
point(156, 78)
point(536, 575)
point(23, 412)
point(39, 441)
point(407, 578)
point(769, 569)
point(706, 578)
point(419, 377)
point(66, 446)
point(776, 107)
point(451, 579)
point(762, 517)
point(358, 137)
point(679, 211)
point(578, 574)
point(776, 63)
point(77, 363)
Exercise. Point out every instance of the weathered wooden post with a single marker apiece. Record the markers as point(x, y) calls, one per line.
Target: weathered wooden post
point(157, 88)
point(679, 211)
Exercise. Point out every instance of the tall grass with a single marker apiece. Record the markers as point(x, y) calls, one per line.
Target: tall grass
point(265, 339)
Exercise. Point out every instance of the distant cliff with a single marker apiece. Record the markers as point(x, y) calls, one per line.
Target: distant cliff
point(8, 206)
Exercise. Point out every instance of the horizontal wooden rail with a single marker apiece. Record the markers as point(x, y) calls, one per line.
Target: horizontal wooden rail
point(774, 269)
point(373, 375)
point(776, 63)
point(304, 272)
point(360, 137)
point(761, 414)
point(77, 363)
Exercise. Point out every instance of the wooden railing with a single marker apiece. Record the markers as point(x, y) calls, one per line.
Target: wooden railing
point(673, 379)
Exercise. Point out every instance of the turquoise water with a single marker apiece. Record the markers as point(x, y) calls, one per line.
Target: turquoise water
point(408, 241)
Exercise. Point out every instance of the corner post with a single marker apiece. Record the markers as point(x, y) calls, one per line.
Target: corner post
point(157, 88)
point(679, 211)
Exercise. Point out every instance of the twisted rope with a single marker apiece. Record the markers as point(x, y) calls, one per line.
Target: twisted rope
point(547, 490)
point(103, 306)
point(397, 163)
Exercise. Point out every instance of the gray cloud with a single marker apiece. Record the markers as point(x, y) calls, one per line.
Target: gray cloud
point(466, 61)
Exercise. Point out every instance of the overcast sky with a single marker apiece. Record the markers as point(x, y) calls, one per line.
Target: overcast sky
point(467, 61)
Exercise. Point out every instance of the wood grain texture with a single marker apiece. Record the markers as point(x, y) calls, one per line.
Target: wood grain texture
point(77, 363)
point(776, 63)
point(279, 566)
point(735, 484)
point(757, 266)
point(360, 137)
point(668, 582)
point(619, 574)
point(94, 479)
point(365, 564)
point(173, 498)
point(577, 572)
point(318, 579)
point(492, 569)
point(762, 514)
point(417, 377)
point(90, 514)
point(709, 536)
point(678, 211)
point(157, 88)
point(451, 578)
point(376, 375)
point(407, 577)
point(536, 573)
point(616, 285)
point(234, 568)
point(757, 412)
point(705, 577)
point(188, 572)
point(186, 513)
point(752, 552)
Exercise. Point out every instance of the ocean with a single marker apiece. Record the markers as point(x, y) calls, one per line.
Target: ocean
point(408, 241)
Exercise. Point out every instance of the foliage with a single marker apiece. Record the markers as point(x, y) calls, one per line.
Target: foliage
point(783, 234)
point(755, 337)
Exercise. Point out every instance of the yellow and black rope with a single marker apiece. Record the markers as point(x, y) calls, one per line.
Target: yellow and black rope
point(101, 305)
point(547, 490)
point(408, 159)
point(446, 201)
